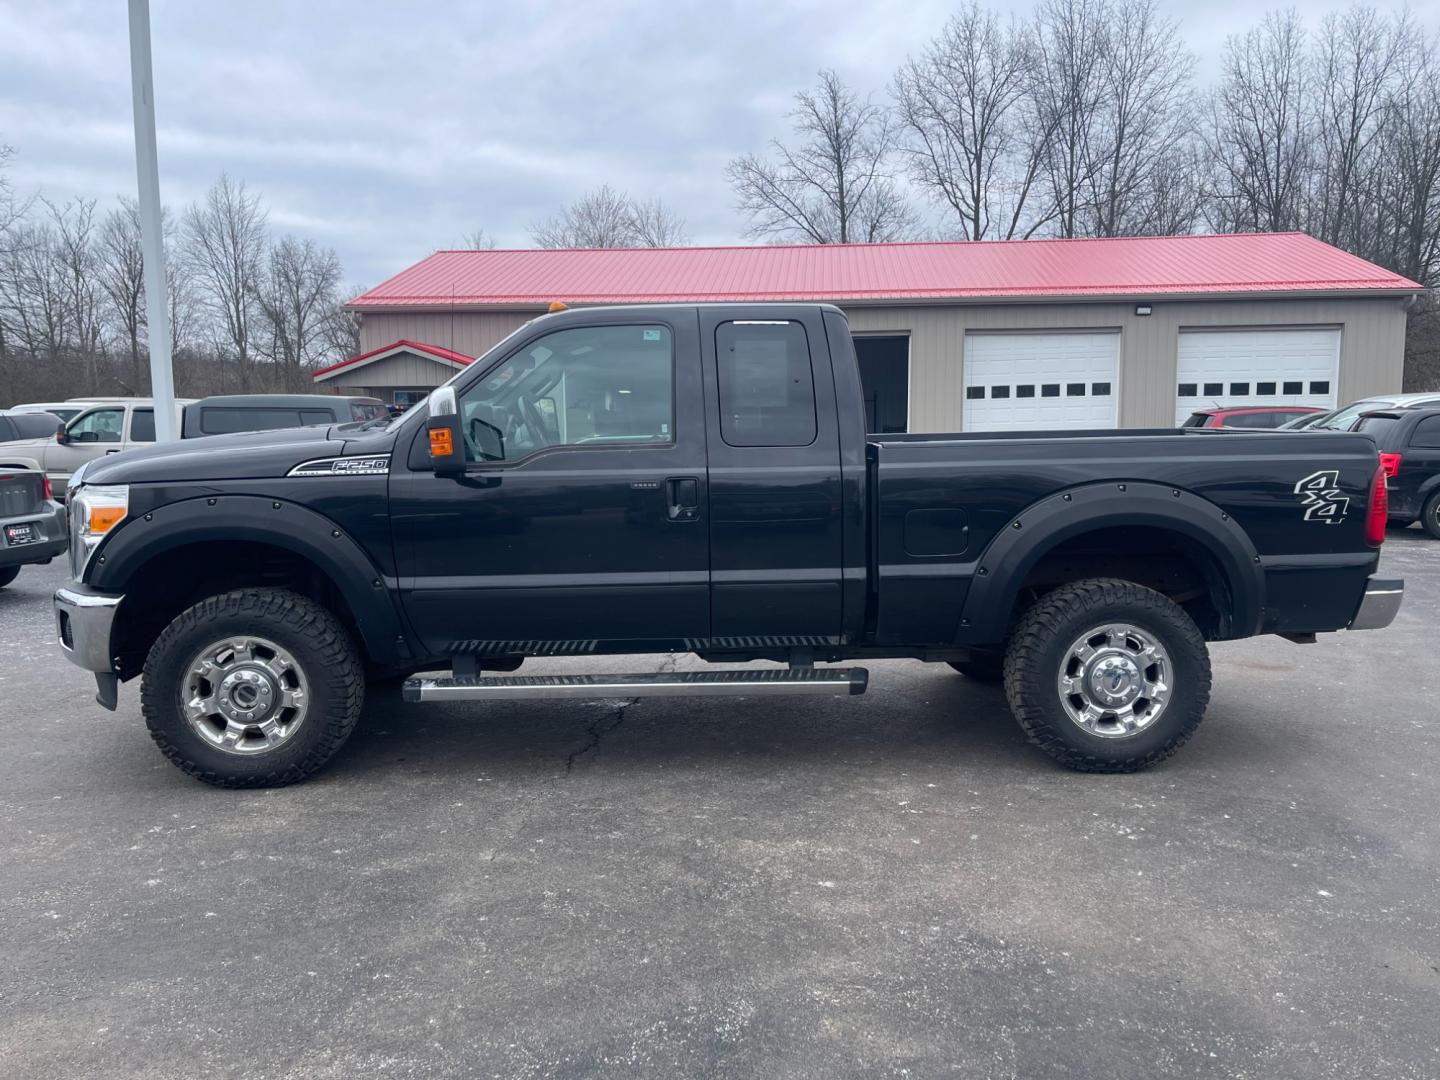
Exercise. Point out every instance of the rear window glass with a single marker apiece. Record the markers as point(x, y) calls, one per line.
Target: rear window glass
point(1198, 419)
point(767, 389)
point(32, 425)
point(229, 419)
point(1377, 426)
point(1427, 433)
point(142, 425)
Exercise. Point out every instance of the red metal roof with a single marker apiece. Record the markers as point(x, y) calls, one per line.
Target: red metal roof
point(1132, 267)
point(444, 355)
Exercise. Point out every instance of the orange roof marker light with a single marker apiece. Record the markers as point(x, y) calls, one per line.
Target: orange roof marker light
point(558, 305)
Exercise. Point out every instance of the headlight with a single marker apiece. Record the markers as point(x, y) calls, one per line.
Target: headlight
point(94, 511)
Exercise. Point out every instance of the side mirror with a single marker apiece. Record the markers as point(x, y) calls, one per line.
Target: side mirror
point(447, 441)
point(62, 436)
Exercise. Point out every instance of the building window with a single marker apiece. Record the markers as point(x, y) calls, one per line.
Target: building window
point(999, 391)
point(1026, 390)
point(1214, 389)
point(1265, 388)
point(1100, 389)
point(975, 393)
point(1050, 389)
point(1187, 389)
point(1320, 386)
point(1294, 388)
point(1075, 389)
point(1239, 389)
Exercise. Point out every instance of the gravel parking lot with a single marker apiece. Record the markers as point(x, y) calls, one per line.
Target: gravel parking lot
point(893, 885)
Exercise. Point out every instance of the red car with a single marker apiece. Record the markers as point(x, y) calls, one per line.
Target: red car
point(1271, 416)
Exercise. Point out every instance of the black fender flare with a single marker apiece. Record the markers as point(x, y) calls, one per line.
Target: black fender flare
point(278, 523)
point(1043, 525)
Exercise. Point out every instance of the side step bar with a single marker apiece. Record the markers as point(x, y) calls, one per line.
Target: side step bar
point(812, 681)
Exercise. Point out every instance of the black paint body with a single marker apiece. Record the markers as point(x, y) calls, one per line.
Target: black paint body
point(907, 545)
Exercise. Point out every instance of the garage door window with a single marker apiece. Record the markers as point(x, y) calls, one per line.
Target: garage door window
point(767, 386)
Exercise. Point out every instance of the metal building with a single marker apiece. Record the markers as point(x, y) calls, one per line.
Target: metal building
point(1018, 335)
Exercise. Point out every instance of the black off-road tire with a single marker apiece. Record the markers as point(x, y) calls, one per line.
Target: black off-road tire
point(982, 667)
point(8, 574)
point(1038, 648)
point(322, 647)
point(1430, 516)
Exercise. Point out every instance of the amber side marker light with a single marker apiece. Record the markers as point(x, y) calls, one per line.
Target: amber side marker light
point(441, 444)
point(558, 305)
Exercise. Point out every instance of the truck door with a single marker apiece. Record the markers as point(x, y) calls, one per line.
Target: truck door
point(580, 523)
point(775, 484)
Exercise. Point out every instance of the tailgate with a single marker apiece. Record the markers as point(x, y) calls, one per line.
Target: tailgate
point(21, 493)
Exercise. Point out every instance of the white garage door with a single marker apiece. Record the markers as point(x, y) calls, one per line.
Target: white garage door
point(1235, 368)
point(1035, 382)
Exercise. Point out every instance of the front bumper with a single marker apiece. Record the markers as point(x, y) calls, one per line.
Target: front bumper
point(83, 618)
point(50, 524)
point(1380, 604)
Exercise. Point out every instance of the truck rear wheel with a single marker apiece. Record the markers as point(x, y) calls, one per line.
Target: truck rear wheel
point(1106, 675)
point(254, 688)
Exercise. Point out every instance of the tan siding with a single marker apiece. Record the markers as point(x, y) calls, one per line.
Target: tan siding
point(1371, 343)
point(469, 332)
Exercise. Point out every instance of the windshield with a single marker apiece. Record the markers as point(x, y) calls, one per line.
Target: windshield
point(1344, 419)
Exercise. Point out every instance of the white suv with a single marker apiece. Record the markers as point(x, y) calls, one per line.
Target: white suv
point(1345, 419)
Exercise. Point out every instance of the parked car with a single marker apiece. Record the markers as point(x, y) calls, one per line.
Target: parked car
point(16, 425)
point(32, 523)
point(1307, 422)
point(698, 479)
point(1269, 416)
point(1409, 444)
point(107, 427)
point(64, 410)
point(1345, 419)
point(231, 413)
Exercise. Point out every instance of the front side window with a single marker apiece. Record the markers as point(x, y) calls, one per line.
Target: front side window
point(767, 387)
point(587, 386)
point(99, 426)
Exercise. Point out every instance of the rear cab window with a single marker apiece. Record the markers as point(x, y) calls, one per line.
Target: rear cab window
point(766, 382)
point(1377, 426)
point(1426, 435)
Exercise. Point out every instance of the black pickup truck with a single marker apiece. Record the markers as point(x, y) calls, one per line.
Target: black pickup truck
point(698, 479)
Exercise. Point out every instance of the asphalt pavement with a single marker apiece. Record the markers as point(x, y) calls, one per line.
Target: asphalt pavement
point(894, 885)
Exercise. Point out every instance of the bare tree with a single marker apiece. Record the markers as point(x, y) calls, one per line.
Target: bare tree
point(225, 241)
point(962, 105)
point(73, 225)
point(606, 218)
point(120, 269)
point(1406, 192)
point(477, 240)
point(1068, 87)
point(1141, 120)
point(1260, 129)
point(834, 183)
point(341, 332)
point(653, 224)
point(600, 219)
point(297, 297)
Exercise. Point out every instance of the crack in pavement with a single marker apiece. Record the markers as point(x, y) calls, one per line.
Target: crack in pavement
point(599, 729)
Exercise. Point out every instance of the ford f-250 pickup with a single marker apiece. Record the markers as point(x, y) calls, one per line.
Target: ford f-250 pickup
point(698, 478)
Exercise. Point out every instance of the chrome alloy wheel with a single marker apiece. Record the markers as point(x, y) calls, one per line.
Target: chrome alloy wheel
point(1114, 680)
point(245, 695)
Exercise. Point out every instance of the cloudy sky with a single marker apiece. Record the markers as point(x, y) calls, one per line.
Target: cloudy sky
point(387, 130)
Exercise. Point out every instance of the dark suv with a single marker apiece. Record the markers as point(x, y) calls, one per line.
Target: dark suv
point(229, 414)
point(1409, 444)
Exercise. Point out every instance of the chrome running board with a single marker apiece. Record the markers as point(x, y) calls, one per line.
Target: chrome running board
point(814, 681)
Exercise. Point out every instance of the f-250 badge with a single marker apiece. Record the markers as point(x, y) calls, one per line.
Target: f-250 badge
point(1320, 495)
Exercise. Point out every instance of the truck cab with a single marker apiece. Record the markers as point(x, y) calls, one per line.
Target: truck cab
point(697, 478)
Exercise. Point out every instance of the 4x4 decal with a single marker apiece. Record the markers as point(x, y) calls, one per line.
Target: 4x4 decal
point(1320, 495)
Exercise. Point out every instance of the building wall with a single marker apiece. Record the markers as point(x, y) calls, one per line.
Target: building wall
point(1372, 343)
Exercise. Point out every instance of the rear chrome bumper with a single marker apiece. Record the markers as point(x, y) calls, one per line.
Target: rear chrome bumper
point(1380, 604)
point(83, 619)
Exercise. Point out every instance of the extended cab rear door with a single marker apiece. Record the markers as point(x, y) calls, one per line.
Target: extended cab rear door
point(775, 484)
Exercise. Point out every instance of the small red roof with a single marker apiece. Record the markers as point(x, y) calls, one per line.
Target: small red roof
point(435, 352)
point(1131, 267)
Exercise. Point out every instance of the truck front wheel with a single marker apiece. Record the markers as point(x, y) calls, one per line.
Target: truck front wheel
point(1106, 675)
point(253, 688)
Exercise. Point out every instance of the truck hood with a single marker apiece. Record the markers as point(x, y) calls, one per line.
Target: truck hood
point(246, 456)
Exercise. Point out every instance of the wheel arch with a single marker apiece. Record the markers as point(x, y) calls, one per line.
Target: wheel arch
point(1204, 531)
point(181, 551)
